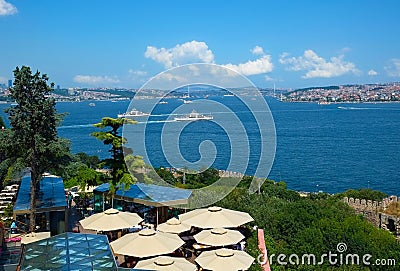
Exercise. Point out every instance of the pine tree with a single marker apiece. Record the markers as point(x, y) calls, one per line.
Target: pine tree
point(116, 164)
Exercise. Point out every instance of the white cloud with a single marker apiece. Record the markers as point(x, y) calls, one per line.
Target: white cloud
point(268, 78)
point(316, 66)
point(185, 53)
point(394, 68)
point(95, 80)
point(257, 50)
point(7, 8)
point(195, 51)
point(372, 73)
point(167, 76)
point(272, 79)
point(253, 67)
point(137, 72)
point(345, 50)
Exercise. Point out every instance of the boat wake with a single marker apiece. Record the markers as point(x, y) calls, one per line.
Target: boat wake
point(76, 126)
point(155, 121)
point(356, 108)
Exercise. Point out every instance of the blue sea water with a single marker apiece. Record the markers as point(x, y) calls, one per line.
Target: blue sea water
point(319, 147)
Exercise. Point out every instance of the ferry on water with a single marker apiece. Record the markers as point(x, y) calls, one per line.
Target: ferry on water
point(193, 117)
point(133, 113)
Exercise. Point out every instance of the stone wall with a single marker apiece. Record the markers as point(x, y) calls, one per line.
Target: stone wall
point(374, 212)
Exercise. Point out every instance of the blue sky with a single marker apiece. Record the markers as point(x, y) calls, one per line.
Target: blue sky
point(123, 43)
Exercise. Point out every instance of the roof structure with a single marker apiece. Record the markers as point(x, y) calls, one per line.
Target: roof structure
point(149, 194)
point(69, 251)
point(50, 195)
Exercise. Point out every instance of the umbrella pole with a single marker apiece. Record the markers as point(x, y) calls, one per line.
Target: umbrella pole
point(157, 218)
point(103, 202)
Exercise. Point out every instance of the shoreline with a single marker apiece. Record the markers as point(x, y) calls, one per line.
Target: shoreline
point(122, 99)
point(344, 102)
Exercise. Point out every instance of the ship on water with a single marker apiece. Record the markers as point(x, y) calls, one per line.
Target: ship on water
point(194, 116)
point(133, 113)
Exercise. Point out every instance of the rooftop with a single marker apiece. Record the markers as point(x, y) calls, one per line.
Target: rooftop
point(49, 197)
point(69, 251)
point(149, 194)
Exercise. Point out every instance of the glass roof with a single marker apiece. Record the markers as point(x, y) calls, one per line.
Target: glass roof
point(149, 192)
point(51, 194)
point(69, 251)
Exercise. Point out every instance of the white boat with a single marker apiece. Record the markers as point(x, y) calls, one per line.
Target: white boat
point(162, 102)
point(193, 117)
point(92, 104)
point(133, 113)
point(187, 101)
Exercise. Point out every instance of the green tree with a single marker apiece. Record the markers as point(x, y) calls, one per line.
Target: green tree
point(116, 164)
point(166, 175)
point(84, 177)
point(92, 161)
point(310, 226)
point(33, 122)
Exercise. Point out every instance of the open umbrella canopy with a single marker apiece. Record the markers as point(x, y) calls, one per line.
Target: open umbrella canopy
point(173, 225)
point(111, 220)
point(146, 243)
point(225, 259)
point(164, 263)
point(218, 237)
point(215, 217)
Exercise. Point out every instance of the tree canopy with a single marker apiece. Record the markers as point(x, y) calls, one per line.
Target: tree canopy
point(116, 164)
point(33, 126)
point(310, 225)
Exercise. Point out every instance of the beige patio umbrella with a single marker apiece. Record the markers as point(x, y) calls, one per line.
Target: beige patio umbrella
point(34, 236)
point(164, 263)
point(173, 225)
point(225, 259)
point(218, 237)
point(111, 220)
point(146, 243)
point(215, 217)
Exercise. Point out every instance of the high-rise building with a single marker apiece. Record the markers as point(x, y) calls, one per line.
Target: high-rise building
point(9, 83)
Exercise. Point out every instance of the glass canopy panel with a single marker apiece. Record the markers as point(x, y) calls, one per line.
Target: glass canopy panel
point(69, 251)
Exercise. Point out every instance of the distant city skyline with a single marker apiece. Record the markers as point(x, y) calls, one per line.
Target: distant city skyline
point(292, 44)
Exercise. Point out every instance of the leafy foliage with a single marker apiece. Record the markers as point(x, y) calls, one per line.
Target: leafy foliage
point(189, 179)
point(116, 164)
point(298, 225)
point(85, 177)
point(91, 161)
point(33, 122)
